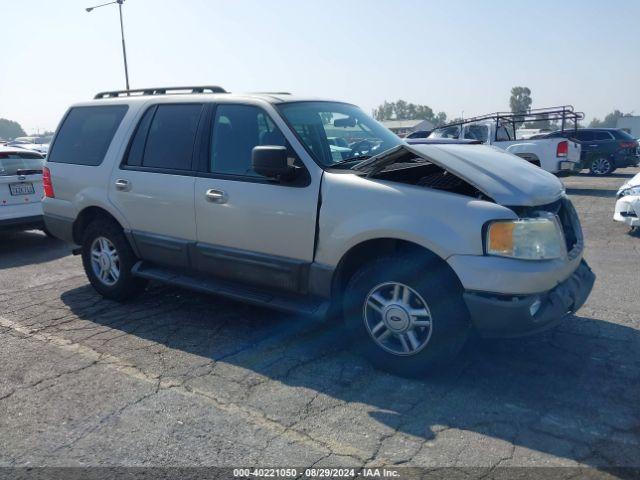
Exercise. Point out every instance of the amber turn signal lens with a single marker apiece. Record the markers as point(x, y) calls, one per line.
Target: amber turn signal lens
point(501, 237)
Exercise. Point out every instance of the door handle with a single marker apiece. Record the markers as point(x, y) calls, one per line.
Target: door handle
point(122, 184)
point(216, 196)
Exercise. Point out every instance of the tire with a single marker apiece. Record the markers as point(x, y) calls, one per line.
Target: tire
point(601, 166)
point(430, 285)
point(107, 236)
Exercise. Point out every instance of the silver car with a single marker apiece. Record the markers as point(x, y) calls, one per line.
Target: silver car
point(242, 195)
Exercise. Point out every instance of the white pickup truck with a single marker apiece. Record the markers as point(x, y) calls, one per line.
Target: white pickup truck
point(560, 156)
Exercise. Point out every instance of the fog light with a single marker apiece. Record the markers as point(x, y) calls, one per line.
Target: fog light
point(535, 306)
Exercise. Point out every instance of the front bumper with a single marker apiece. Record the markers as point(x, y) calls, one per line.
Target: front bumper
point(628, 210)
point(511, 316)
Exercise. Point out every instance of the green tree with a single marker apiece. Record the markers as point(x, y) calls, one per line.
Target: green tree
point(10, 129)
point(326, 117)
point(403, 110)
point(610, 121)
point(520, 100)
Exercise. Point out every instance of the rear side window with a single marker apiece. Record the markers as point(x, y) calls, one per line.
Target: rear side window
point(85, 134)
point(170, 138)
point(602, 136)
point(136, 150)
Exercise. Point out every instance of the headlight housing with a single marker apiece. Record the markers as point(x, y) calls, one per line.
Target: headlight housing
point(538, 238)
point(630, 191)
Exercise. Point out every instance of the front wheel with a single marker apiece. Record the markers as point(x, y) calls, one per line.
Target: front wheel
point(407, 316)
point(602, 166)
point(108, 259)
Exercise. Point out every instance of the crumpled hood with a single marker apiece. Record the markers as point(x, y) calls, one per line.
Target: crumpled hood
point(509, 180)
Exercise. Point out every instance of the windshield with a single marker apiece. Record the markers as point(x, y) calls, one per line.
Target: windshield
point(446, 132)
point(337, 132)
point(11, 162)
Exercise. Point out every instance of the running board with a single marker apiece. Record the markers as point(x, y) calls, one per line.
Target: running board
point(304, 305)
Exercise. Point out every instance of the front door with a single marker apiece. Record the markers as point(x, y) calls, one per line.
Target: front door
point(154, 186)
point(249, 228)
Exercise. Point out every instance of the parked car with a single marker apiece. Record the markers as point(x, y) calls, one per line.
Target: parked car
point(242, 196)
point(558, 156)
point(603, 149)
point(20, 189)
point(41, 148)
point(418, 134)
point(628, 205)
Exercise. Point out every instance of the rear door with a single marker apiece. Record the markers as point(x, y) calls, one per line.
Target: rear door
point(607, 144)
point(153, 187)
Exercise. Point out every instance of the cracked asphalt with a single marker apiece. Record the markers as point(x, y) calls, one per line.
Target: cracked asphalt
point(177, 378)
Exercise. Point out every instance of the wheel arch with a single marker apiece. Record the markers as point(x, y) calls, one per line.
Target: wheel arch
point(369, 250)
point(88, 215)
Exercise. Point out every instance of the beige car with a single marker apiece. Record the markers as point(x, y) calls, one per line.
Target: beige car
point(243, 196)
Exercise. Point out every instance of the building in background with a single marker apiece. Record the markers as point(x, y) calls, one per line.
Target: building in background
point(630, 124)
point(403, 127)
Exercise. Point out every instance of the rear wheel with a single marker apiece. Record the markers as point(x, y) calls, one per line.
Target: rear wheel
point(602, 166)
point(406, 316)
point(108, 259)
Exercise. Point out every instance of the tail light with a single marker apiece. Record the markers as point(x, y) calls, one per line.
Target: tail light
point(563, 149)
point(628, 144)
point(46, 183)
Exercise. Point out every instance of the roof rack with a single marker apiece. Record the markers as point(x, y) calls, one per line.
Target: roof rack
point(160, 91)
point(272, 93)
point(562, 114)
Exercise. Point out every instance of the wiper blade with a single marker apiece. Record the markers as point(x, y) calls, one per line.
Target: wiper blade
point(351, 159)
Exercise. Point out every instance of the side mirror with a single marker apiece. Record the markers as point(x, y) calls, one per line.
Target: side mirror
point(272, 162)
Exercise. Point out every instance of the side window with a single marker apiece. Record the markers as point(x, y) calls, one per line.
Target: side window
point(136, 150)
point(584, 136)
point(502, 134)
point(237, 129)
point(602, 136)
point(171, 136)
point(477, 132)
point(86, 133)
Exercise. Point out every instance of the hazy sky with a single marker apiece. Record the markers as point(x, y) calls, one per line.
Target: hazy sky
point(451, 55)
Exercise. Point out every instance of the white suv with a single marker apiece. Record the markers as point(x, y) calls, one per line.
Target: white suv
point(247, 196)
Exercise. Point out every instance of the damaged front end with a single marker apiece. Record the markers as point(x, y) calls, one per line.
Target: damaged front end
point(473, 170)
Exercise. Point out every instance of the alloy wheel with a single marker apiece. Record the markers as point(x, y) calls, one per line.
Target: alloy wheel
point(601, 166)
point(105, 261)
point(397, 318)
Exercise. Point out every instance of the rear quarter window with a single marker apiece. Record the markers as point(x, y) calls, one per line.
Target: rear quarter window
point(622, 135)
point(85, 134)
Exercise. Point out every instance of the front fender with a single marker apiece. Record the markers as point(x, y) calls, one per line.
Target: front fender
point(356, 209)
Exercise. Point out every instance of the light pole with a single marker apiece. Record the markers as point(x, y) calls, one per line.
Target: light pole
point(124, 48)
